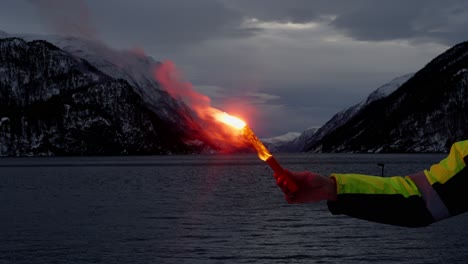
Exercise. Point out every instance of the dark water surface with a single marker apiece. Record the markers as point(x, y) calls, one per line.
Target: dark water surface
point(201, 209)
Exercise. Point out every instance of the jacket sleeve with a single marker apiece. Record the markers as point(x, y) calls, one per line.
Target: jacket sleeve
point(414, 201)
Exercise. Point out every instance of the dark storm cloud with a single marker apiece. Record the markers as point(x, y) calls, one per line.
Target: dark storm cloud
point(439, 21)
point(168, 23)
point(296, 11)
point(369, 20)
point(164, 24)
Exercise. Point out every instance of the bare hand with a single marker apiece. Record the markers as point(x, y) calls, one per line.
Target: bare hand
point(312, 187)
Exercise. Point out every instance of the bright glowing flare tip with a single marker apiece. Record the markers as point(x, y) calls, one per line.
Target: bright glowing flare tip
point(231, 120)
point(262, 151)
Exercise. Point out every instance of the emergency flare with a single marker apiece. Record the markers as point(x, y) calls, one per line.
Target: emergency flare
point(262, 151)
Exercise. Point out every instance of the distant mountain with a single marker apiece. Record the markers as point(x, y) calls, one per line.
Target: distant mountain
point(427, 113)
point(277, 144)
point(344, 116)
point(290, 142)
point(54, 103)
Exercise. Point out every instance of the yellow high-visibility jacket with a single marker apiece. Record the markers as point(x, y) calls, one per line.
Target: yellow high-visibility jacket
point(414, 200)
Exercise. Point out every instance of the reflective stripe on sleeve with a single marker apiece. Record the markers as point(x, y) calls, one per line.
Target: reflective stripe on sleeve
point(434, 204)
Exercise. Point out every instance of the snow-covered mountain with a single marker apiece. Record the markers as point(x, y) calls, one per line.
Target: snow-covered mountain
point(54, 103)
point(344, 116)
point(296, 142)
point(290, 142)
point(427, 113)
point(133, 66)
point(276, 144)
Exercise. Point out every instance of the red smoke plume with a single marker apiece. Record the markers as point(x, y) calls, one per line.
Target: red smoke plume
point(172, 81)
point(224, 137)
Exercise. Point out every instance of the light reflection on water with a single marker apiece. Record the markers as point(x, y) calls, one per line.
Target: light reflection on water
point(201, 209)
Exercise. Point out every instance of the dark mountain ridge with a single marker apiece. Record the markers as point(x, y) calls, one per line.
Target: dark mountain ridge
point(427, 113)
point(52, 103)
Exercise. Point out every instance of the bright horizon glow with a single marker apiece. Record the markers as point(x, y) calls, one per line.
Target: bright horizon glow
point(255, 23)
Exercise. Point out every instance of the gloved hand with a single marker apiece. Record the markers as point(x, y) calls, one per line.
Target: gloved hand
point(312, 187)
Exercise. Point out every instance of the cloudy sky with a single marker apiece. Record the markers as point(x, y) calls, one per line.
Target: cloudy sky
point(287, 64)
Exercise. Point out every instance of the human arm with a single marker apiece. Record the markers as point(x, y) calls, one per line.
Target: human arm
point(415, 200)
point(389, 200)
point(312, 187)
point(394, 200)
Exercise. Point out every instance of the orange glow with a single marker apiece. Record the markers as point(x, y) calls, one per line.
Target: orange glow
point(231, 120)
point(248, 134)
point(210, 125)
point(203, 120)
point(262, 151)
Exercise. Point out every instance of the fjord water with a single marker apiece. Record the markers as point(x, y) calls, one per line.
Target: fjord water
point(201, 209)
